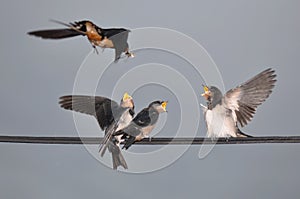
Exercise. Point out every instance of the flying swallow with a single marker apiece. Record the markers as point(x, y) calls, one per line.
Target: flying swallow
point(111, 117)
point(142, 124)
point(237, 106)
point(105, 38)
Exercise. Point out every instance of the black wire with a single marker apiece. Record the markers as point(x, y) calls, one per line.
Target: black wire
point(152, 141)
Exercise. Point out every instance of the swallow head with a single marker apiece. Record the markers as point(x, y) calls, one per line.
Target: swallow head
point(83, 26)
point(89, 26)
point(212, 94)
point(160, 106)
point(127, 101)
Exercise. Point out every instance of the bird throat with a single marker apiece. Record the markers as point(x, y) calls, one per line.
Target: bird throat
point(212, 103)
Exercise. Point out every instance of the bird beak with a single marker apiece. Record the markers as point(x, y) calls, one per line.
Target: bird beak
point(206, 93)
point(126, 96)
point(164, 105)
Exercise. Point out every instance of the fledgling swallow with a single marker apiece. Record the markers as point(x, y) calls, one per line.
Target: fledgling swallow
point(105, 38)
point(111, 117)
point(142, 124)
point(237, 106)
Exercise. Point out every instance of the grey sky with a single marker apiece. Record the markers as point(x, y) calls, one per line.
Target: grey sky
point(242, 37)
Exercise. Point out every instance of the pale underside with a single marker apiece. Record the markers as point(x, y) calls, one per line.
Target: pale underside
point(220, 122)
point(124, 121)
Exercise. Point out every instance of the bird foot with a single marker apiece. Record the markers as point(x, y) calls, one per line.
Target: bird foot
point(129, 54)
point(95, 50)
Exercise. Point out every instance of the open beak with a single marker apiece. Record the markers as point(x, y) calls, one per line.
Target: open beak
point(164, 105)
point(206, 93)
point(126, 96)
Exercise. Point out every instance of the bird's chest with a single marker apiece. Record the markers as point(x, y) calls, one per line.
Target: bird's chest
point(94, 36)
point(208, 118)
point(124, 120)
point(145, 131)
point(219, 122)
point(106, 43)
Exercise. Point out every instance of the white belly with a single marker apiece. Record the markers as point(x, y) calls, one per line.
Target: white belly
point(219, 124)
point(122, 123)
point(124, 120)
point(106, 43)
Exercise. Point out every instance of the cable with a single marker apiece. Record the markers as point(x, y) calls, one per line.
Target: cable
point(151, 141)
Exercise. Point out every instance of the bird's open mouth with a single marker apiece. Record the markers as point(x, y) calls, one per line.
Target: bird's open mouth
point(126, 96)
point(164, 105)
point(207, 93)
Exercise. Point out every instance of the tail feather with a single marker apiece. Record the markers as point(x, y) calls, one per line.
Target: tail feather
point(107, 139)
point(108, 143)
point(102, 150)
point(241, 134)
point(104, 144)
point(118, 159)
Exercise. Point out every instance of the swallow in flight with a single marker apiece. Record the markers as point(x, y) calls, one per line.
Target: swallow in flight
point(115, 38)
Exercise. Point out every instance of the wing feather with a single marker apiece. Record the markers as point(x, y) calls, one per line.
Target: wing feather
point(102, 108)
point(119, 39)
point(245, 99)
point(55, 33)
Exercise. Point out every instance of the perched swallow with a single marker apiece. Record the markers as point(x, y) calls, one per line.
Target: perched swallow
point(111, 117)
point(237, 106)
point(105, 38)
point(142, 124)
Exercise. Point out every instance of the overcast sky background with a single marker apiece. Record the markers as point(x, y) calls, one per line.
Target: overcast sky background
point(242, 37)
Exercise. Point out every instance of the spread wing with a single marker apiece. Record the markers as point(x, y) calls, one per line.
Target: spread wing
point(104, 109)
point(119, 37)
point(55, 33)
point(74, 29)
point(244, 99)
